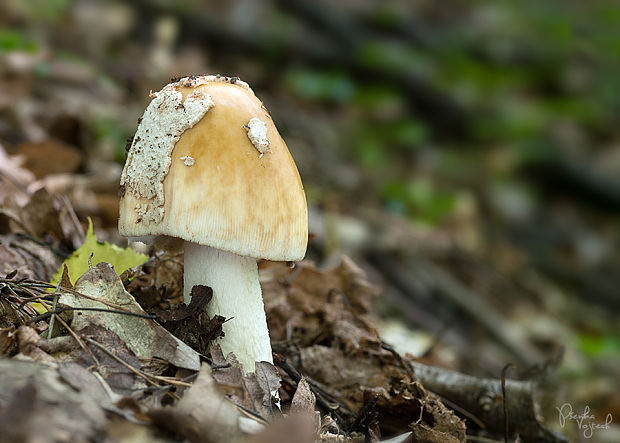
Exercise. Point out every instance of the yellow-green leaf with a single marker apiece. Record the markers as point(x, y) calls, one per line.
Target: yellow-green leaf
point(121, 258)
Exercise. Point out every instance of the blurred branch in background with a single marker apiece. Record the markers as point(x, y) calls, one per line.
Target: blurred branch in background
point(325, 37)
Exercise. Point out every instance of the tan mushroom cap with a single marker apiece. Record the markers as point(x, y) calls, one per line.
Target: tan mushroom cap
point(220, 191)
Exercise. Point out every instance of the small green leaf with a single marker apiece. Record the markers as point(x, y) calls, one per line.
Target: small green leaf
point(599, 346)
point(121, 258)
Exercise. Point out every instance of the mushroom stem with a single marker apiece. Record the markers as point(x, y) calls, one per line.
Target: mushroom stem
point(237, 296)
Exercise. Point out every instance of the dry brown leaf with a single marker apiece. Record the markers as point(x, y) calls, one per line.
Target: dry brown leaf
point(322, 321)
point(94, 195)
point(81, 379)
point(158, 281)
point(146, 338)
point(8, 345)
point(304, 400)
point(255, 391)
point(424, 433)
point(191, 324)
point(203, 414)
point(14, 178)
point(41, 407)
point(65, 281)
point(229, 376)
point(50, 157)
point(40, 216)
point(9, 316)
point(30, 259)
point(269, 381)
point(118, 376)
point(302, 408)
point(28, 340)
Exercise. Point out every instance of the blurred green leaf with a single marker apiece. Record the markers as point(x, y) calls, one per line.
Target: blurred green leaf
point(15, 40)
point(419, 199)
point(331, 86)
point(378, 96)
point(375, 136)
point(395, 57)
point(371, 153)
point(599, 346)
point(408, 133)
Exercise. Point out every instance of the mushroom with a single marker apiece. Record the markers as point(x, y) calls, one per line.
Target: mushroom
point(208, 166)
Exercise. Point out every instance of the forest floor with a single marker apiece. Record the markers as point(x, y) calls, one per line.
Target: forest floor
point(462, 289)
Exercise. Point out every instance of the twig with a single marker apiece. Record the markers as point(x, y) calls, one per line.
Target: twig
point(406, 365)
point(283, 363)
point(136, 371)
point(296, 375)
point(170, 380)
point(224, 366)
point(422, 404)
point(73, 217)
point(248, 412)
point(79, 341)
point(464, 412)
point(50, 328)
point(54, 312)
point(365, 411)
point(74, 335)
point(40, 286)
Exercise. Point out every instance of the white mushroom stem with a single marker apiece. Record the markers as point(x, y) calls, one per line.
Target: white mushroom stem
point(236, 294)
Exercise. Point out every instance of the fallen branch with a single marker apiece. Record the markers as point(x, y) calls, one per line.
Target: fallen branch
point(483, 398)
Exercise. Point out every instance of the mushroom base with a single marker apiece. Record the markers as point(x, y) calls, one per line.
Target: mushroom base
point(237, 296)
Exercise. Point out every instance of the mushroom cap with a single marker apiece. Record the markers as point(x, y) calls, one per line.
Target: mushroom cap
point(208, 182)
